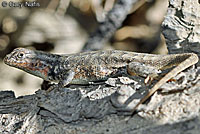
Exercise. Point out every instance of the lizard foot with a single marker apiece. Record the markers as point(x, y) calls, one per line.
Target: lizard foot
point(45, 85)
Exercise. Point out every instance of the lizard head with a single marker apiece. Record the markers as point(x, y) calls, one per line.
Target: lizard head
point(29, 61)
point(19, 58)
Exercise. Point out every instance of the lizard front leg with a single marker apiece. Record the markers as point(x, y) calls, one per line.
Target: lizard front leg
point(65, 79)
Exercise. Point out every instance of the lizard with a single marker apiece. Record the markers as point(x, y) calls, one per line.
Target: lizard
point(86, 67)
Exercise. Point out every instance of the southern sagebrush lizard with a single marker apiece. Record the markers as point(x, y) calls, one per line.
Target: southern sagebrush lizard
point(82, 68)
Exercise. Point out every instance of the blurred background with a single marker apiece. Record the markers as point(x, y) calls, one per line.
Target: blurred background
point(63, 27)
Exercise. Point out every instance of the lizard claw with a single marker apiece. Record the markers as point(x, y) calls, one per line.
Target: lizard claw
point(150, 78)
point(52, 87)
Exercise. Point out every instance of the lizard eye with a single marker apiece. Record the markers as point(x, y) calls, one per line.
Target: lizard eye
point(20, 55)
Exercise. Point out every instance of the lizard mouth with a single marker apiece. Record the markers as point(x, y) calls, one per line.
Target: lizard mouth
point(8, 60)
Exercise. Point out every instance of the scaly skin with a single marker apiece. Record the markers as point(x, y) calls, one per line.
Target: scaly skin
point(83, 68)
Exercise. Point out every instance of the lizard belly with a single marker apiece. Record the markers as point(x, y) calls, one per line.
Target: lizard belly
point(92, 74)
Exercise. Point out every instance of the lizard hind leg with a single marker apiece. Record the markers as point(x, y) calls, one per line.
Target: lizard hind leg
point(144, 70)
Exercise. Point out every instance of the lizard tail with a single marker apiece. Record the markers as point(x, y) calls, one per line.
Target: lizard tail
point(190, 60)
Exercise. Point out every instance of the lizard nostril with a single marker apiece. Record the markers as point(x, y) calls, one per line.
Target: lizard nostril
point(6, 58)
